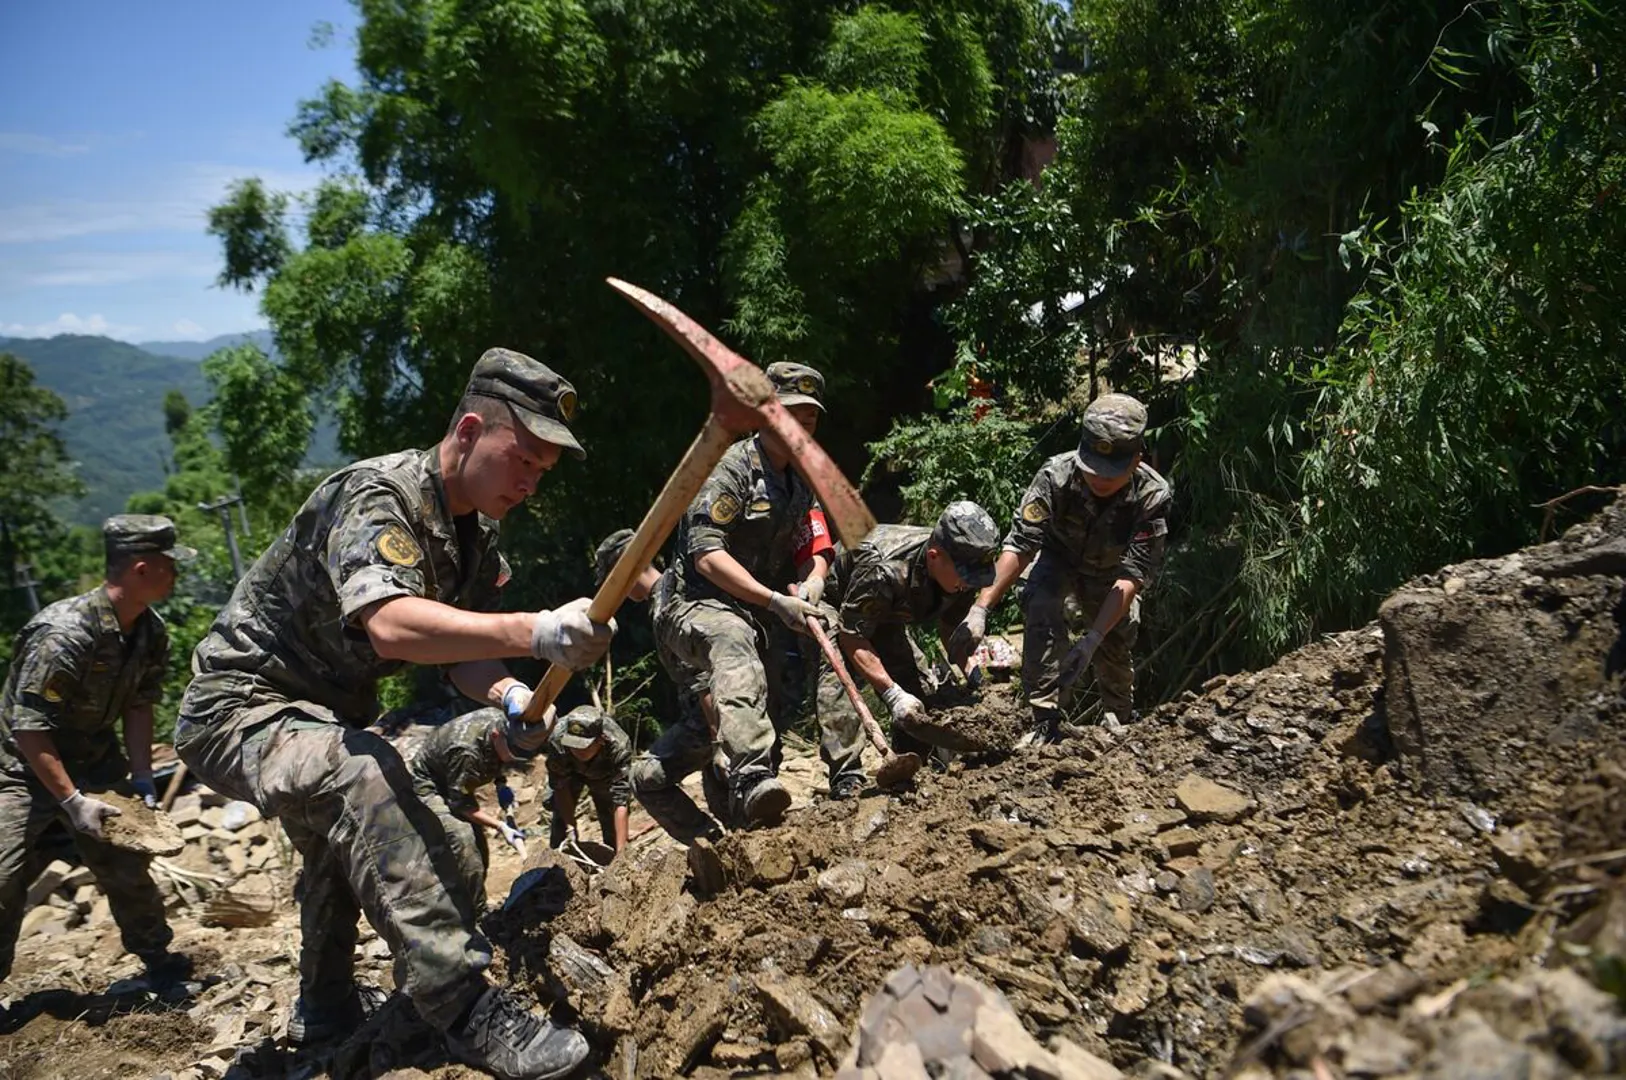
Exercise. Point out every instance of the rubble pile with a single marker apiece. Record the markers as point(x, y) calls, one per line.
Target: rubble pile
point(1383, 856)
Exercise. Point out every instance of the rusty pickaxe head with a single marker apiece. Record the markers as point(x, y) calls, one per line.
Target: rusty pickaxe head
point(742, 401)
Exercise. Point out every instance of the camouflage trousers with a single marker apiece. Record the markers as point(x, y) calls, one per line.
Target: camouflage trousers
point(368, 843)
point(682, 749)
point(745, 664)
point(26, 811)
point(469, 847)
point(1046, 638)
point(603, 807)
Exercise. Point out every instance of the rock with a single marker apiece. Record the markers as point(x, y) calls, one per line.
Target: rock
point(997, 836)
point(186, 810)
point(869, 822)
point(1207, 801)
point(1470, 1049)
point(844, 883)
point(1100, 926)
point(1178, 843)
point(1518, 856)
point(248, 903)
point(48, 882)
point(1375, 1047)
point(1166, 882)
point(901, 1061)
point(1078, 1063)
point(589, 981)
point(1585, 1020)
point(1197, 890)
point(1391, 984)
point(44, 921)
point(733, 1055)
point(1311, 1018)
point(761, 859)
point(790, 1004)
point(1001, 1045)
point(1464, 673)
point(236, 814)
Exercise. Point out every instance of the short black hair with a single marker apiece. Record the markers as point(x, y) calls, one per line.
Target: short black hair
point(489, 409)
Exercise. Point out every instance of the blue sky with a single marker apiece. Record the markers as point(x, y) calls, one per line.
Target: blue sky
point(121, 124)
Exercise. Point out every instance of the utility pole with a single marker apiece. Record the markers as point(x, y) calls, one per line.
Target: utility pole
point(242, 508)
point(222, 506)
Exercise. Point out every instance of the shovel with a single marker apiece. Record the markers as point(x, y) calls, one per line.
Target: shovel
point(895, 769)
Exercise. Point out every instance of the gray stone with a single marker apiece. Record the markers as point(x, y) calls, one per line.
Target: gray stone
point(1197, 890)
point(843, 884)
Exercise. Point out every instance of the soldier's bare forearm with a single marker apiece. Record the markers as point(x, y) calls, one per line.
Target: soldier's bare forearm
point(724, 571)
point(621, 818)
point(1115, 605)
point(482, 680)
point(484, 817)
point(862, 653)
point(138, 741)
point(420, 631)
point(1007, 569)
point(39, 750)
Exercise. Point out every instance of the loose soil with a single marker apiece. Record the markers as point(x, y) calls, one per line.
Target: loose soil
point(1265, 877)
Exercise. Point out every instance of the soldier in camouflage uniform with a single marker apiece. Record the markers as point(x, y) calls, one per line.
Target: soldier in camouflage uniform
point(691, 742)
point(78, 668)
point(899, 576)
point(1097, 520)
point(753, 534)
point(589, 750)
point(391, 561)
point(450, 762)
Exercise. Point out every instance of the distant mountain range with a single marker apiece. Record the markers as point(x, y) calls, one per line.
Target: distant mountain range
point(115, 397)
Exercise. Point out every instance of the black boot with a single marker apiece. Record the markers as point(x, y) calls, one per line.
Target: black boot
point(315, 1024)
point(507, 1040)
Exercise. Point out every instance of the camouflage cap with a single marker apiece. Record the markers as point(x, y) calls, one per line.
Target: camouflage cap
point(608, 553)
point(542, 400)
point(143, 534)
point(966, 532)
point(1113, 428)
point(581, 727)
point(796, 384)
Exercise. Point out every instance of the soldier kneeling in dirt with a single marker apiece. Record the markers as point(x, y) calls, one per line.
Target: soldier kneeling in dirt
point(453, 757)
point(80, 666)
point(901, 575)
point(589, 750)
point(1097, 520)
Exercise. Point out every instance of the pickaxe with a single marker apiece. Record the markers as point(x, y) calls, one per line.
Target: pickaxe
point(894, 769)
point(742, 401)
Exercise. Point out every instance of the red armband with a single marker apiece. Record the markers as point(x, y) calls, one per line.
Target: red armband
point(813, 537)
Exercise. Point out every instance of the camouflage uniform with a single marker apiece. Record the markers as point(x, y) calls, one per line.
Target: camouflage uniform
point(449, 762)
point(881, 588)
point(1085, 545)
point(284, 685)
point(682, 748)
point(74, 674)
point(604, 775)
point(755, 515)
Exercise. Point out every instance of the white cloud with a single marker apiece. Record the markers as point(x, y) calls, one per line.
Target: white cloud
point(22, 142)
point(188, 330)
point(69, 323)
point(178, 203)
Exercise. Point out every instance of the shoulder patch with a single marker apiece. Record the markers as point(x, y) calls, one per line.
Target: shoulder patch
point(724, 508)
point(51, 693)
point(398, 547)
point(1035, 512)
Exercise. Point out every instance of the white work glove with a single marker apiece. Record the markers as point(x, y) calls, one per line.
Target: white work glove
point(144, 787)
point(523, 736)
point(812, 589)
point(968, 635)
point(904, 705)
point(86, 814)
point(1078, 657)
point(567, 637)
point(514, 837)
point(794, 612)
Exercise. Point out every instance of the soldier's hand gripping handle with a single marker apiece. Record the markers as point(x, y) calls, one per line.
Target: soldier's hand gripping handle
point(568, 637)
point(86, 814)
point(904, 705)
point(794, 612)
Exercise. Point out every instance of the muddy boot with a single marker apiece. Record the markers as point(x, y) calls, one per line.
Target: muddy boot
point(309, 1025)
point(847, 787)
point(760, 801)
point(706, 869)
point(167, 973)
point(507, 1040)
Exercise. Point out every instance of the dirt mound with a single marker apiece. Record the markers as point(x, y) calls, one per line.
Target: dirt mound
point(1396, 852)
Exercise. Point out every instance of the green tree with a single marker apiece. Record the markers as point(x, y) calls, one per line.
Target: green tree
point(37, 473)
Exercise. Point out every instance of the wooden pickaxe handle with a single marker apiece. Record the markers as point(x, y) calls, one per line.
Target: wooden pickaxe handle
point(871, 728)
point(681, 487)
